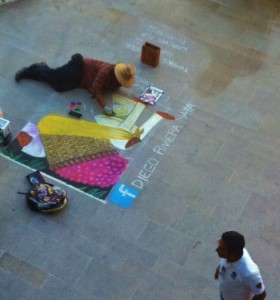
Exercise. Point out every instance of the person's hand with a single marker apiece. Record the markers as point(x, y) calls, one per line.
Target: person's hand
point(108, 111)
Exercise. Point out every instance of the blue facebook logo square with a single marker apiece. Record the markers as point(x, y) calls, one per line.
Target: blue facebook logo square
point(123, 195)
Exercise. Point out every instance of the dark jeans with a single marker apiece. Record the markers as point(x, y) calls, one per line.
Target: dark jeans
point(61, 79)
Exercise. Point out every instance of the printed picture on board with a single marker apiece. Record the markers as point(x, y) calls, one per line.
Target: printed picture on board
point(151, 95)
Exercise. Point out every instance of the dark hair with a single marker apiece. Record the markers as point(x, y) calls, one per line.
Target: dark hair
point(234, 241)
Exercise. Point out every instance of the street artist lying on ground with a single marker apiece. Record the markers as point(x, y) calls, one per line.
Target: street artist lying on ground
point(80, 72)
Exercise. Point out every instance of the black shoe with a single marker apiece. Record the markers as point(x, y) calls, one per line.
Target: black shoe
point(20, 74)
point(76, 57)
point(36, 65)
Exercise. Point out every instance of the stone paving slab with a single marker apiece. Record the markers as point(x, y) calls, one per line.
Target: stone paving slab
point(23, 270)
point(219, 69)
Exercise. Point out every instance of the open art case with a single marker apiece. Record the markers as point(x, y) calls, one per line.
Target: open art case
point(35, 178)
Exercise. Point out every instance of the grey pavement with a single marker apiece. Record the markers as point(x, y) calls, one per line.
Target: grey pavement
point(216, 167)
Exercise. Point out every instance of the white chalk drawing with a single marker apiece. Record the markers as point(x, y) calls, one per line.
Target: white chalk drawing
point(144, 175)
point(127, 112)
point(175, 65)
point(162, 37)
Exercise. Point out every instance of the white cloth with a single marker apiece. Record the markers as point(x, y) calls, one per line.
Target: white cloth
point(241, 279)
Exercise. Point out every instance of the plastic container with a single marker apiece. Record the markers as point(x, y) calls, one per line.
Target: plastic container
point(5, 132)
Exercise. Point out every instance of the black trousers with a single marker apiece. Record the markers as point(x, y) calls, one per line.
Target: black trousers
point(61, 79)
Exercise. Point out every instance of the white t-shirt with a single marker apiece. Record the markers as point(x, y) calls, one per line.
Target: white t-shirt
point(241, 279)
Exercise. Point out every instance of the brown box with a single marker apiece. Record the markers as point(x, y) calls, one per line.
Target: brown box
point(150, 54)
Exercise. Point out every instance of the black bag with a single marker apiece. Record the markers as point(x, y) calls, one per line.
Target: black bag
point(44, 197)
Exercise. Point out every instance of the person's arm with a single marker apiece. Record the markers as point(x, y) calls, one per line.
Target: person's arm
point(260, 297)
point(97, 88)
point(100, 99)
point(256, 285)
point(106, 109)
point(216, 275)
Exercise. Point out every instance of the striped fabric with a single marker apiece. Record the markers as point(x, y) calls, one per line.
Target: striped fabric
point(99, 76)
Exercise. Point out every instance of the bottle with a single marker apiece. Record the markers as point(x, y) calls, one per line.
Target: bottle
point(1, 112)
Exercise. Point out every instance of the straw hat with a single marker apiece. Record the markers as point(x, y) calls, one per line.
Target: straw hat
point(125, 74)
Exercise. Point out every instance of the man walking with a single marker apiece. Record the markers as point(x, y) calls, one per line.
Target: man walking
point(238, 275)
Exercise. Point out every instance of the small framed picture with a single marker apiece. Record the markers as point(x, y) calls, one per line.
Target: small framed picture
point(151, 95)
